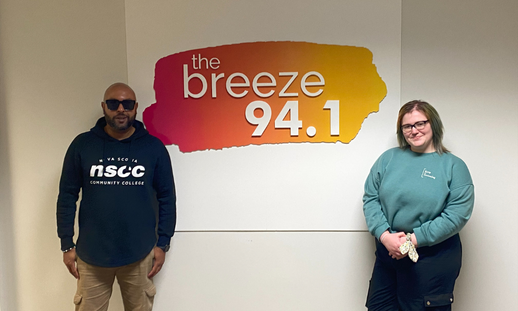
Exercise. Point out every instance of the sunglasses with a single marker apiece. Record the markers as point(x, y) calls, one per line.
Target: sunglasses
point(113, 104)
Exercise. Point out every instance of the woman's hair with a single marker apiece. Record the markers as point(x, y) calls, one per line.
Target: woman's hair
point(433, 118)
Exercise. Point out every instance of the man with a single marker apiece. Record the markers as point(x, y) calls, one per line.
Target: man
point(127, 185)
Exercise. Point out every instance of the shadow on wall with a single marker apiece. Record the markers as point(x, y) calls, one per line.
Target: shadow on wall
point(8, 284)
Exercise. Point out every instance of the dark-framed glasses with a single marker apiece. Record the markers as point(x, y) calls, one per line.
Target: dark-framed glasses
point(407, 128)
point(113, 104)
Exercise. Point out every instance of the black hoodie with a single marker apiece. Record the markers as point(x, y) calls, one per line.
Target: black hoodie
point(127, 186)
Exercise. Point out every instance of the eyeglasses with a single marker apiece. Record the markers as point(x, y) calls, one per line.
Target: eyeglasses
point(407, 128)
point(113, 104)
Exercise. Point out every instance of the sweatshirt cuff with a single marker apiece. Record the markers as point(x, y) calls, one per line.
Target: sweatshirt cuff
point(378, 232)
point(419, 236)
point(67, 243)
point(163, 241)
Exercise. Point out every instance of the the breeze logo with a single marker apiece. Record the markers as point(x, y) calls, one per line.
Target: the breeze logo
point(214, 63)
point(269, 92)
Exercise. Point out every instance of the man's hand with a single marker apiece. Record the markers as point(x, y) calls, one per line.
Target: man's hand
point(392, 242)
point(158, 262)
point(69, 258)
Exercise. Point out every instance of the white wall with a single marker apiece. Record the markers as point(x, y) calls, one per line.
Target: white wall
point(56, 59)
point(271, 227)
point(462, 56)
point(308, 186)
point(7, 279)
point(58, 56)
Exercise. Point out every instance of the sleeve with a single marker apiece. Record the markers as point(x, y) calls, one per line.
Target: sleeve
point(163, 184)
point(374, 217)
point(69, 186)
point(457, 209)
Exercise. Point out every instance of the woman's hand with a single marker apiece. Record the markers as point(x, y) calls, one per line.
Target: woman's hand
point(413, 240)
point(392, 242)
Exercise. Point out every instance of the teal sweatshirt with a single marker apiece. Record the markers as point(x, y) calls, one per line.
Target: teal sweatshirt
point(428, 194)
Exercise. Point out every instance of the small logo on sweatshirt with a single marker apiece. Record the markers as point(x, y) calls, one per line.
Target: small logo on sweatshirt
point(426, 173)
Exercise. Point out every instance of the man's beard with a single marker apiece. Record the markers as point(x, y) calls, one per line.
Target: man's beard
point(120, 127)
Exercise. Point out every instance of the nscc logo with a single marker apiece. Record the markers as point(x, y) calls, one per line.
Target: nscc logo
point(112, 171)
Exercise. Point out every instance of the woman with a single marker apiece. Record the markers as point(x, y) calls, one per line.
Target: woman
point(422, 194)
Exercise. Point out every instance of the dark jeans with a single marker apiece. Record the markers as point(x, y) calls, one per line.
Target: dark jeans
point(427, 285)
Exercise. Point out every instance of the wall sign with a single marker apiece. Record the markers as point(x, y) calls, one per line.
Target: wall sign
point(263, 93)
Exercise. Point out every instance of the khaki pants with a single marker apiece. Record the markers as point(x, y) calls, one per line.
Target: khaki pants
point(94, 287)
